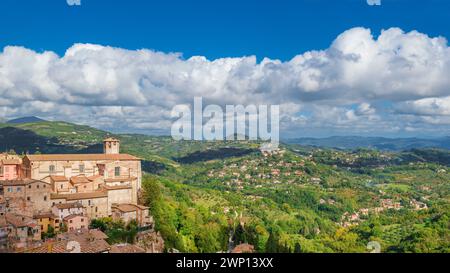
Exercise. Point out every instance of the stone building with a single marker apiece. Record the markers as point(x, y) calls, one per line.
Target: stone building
point(130, 212)
point(89, 241)
point(78, 173)
point(60, 211)
point(47, 220)
point(10, 167)
point(48, 190)
point(23, 231)
point(95, 203)
point(76, 222)
point(33, 194)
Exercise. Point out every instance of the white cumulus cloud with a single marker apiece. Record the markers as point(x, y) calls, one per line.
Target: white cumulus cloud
point(360, 83)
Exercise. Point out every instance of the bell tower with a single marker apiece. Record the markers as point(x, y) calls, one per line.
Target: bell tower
point(111, 146)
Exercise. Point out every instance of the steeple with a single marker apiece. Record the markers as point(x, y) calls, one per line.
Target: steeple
point(111, 146)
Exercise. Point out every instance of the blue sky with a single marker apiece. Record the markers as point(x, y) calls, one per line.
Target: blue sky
point(277, 29)
point(338, 67)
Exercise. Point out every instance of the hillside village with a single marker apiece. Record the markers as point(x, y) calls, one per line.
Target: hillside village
point(47, 200)
point(213, 196)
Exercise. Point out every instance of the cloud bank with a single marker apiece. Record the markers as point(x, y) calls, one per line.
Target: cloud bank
point(391, 84)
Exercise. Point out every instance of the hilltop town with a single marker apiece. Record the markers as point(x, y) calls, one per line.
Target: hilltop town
point(48, 200)
point(215, 196)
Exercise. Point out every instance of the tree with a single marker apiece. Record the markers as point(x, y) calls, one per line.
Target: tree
point(298, 248)
point(98, 224)
point(240, 235)
point(152, 191)
point(272, 245)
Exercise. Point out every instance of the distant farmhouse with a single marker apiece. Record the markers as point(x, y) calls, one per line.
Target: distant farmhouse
point(40, 192)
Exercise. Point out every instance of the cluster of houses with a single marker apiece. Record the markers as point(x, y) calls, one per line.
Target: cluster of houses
point(350, 219)
point(270, 169)
point(95, 241)
point(64, 192)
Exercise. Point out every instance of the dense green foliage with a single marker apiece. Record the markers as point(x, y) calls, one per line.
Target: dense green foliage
point(117, 231)
point(211, 196)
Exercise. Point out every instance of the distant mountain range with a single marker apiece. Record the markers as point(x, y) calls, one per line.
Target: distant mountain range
point(380, 143)
point(30, 133)
point(25, 120)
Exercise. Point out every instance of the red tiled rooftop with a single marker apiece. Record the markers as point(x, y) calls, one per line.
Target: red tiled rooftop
point(81, 157)
point(128, 207)
point(59, 178)
point(81, 179)
point(72, 216)
point(77, 196)
point(68, 205)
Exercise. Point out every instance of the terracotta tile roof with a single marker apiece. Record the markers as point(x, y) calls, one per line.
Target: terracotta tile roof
point(68, 205)
point(244, 248)
point(8, 159)
point(44, 215)
point(91, 241)
point(78, 196)
point(95, 246)
point(50, 247)
point(126, 248)
point(81, 157)
point(98, 234)
point(110, 139)
point(95, 177)
point(19, 220)
point(20, 182)
point(128, 207)
point(80, 179)
point(11, 161)
point(59, 178)
point(72, 216)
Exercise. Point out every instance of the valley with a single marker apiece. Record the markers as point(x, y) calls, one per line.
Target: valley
point(302, 198)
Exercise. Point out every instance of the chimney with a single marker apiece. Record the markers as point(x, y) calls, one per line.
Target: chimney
point(111, 146)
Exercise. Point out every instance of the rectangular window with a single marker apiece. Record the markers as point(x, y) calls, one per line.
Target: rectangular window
point(117, 171)
point(81, 167)
point(52, 168)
